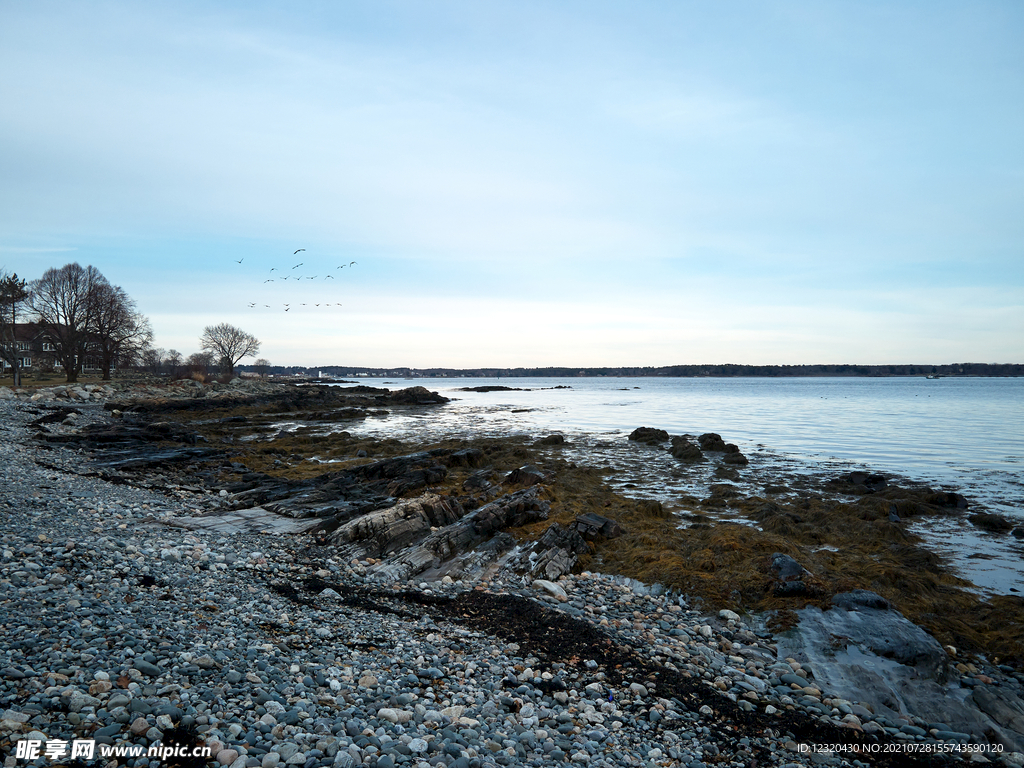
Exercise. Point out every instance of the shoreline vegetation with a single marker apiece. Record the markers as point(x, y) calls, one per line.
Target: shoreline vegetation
point(507, 538)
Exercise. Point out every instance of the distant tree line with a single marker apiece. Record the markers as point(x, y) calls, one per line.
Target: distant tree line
point(682, 371)
point(222, 347)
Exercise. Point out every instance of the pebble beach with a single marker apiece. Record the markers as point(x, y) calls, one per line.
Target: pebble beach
point(123, 628)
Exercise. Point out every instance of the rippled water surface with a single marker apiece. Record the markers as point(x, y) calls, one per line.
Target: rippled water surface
point(962, 433)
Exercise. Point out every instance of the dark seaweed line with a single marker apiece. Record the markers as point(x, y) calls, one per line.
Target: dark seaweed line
point(554, 636)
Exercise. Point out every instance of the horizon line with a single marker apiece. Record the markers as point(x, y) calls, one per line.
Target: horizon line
point(640, 367)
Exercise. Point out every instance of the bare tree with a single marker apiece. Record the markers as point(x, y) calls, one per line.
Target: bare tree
point(229, 344)
point(62, 299)
point(199, 362)
point(151, 359)
point(13, 294)
point(173, 362)
point(261, 367)
point(122, 332)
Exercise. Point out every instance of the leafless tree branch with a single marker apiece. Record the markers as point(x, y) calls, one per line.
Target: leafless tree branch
point(229, 344)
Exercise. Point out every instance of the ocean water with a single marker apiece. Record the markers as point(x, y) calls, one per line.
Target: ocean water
point(964, 434)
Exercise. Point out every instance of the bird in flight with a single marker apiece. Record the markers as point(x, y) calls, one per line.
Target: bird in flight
point(342, 266)
point(270, 280)
point(300, 249)
point(298, 265)
point(287, 309)
point(241, 260)
point(274, 269)
point(253, 304)
point(330, 276)
point(311, 278)
point(351, 263)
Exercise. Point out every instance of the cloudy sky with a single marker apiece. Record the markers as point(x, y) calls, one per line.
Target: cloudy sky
point(530, 183)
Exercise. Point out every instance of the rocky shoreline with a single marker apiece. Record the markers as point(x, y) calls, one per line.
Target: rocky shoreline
point(391, 618)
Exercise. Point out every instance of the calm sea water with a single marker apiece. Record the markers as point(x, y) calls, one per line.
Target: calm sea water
point(959, 433)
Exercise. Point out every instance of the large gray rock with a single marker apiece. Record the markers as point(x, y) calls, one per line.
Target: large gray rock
point(554, 554)
point(876, 657)
point(859, 600)
point(1006, 709)
point(389, 530)
point(432, 533)
point(528, 475)
point(858, 621)
point(786, 568)
point(147, 668)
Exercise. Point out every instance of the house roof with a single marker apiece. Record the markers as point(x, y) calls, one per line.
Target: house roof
point(27, 331)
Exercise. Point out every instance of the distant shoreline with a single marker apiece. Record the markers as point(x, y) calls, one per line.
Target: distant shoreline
point(948, 370)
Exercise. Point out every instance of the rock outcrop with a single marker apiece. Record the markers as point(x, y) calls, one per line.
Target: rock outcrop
point(864, 651)
point(791, 577)
point(649, 435)
point(553, 555)
point(682, 449)
point(712, 442)
point(429, 542)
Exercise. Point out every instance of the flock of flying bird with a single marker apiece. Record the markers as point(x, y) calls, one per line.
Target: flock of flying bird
point(298, 279)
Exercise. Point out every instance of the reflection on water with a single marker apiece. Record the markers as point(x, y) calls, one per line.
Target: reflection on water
point(961, 434)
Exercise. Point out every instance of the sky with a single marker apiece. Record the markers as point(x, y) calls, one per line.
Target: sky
point(578, 183)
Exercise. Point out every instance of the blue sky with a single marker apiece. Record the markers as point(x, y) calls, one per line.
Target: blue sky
point(528, 184)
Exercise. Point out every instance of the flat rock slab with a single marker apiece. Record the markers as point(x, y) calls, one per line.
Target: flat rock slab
point(254, 520)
